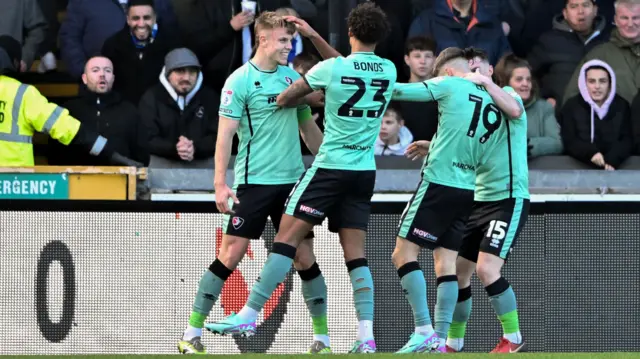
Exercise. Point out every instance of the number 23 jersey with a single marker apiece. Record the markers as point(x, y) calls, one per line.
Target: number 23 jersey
point(358, 89)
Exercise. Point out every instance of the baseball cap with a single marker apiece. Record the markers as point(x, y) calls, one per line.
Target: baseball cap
point(180, 58)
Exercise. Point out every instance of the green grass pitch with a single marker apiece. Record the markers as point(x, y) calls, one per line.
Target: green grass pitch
point(375, 356)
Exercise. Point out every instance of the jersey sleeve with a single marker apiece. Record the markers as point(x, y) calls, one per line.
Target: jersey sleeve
point(416, 91)
point(434, 89)
point(440, 87)
point(319, 76)
point(233, 98)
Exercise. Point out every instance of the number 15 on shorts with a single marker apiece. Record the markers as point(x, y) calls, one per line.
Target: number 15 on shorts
point(497, 232)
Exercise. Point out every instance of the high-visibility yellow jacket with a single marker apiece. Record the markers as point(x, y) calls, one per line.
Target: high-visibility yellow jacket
point(23, 111)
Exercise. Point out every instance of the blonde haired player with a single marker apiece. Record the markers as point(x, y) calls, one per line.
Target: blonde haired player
point(265, 170)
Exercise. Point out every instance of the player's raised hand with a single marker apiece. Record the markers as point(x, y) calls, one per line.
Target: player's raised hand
point(477, 78)
point(302, 26)
point(417, 150)
point(223, 193)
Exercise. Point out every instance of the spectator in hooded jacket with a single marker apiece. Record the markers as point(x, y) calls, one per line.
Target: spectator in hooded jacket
point(543, 131)
point(558, 51)
point(622, 52)
point(596, 124)
point(394, 137)
point(462, 23)
point(179, 113)
point(89, 23)
point(105, 112)
point(138, 50)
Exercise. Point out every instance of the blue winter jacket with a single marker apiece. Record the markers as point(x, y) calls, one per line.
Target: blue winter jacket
point(484, 30)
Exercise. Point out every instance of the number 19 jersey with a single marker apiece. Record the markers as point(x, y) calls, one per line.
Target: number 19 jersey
point(467, 119)
point(358, 89)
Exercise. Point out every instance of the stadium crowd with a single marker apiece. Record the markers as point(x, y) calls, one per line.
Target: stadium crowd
point(151, 72)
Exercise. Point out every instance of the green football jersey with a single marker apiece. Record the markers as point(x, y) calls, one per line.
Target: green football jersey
point(504, 172)
point(269, 149)
point(357, 89)
point(467, 119)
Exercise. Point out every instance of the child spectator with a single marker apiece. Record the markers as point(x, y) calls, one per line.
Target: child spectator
point(394, 137)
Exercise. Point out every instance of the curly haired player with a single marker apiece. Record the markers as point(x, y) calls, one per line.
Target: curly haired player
point(340, 183)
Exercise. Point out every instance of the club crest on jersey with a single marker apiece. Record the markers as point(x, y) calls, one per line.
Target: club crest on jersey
point(227, 97)
point(288, 79)
point(237, 222)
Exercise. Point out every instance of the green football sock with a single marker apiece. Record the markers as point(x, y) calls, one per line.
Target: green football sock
point(209, 290)
point(503, 301)
point(445, 304)
point(414, 287)
point(273, 273)
point(461, 314)
point(314, 292)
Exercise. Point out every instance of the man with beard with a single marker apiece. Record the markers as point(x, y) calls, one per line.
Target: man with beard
point(105, 112)
point(179, 113)
point(138, 50)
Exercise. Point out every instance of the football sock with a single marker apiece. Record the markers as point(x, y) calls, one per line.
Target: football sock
point(314, 291)
point(414, 287)
point(362, 284)
point(445, 304)
point(209, 289)
point(503, 301)
point(273, 273)
point(461, 315)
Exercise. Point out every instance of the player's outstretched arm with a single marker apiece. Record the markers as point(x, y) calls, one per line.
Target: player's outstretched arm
point(505, 101)
point(294, 94)
point(325, 50)
point(310, 132)
point(227, 128)
point(414, 92)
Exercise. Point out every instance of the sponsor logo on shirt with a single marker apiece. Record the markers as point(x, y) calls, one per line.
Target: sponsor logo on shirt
point(288, 79)
point(356, 147)
point(258, 85)
point(311, 211)
point(227, 97)
point(272, 99)
point(464, 166)
point(424, 235)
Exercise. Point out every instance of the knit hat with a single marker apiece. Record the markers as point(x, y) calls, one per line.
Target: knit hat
point(180, 58)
